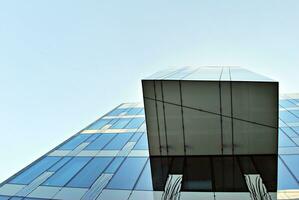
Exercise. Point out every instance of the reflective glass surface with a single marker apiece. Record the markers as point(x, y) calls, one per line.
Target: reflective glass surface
point(74, 142)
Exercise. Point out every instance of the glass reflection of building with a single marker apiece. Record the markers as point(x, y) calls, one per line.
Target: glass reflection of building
point(117, 158)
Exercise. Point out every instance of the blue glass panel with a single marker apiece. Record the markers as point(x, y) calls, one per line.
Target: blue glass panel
point(93, 137)
point(4, 198)
point(121, 123)
point(285, 103)
point(134, 111)
point(135, 123)
point(86, 177)
point(59, 164)
point(117, 111)
point(64, 174)
point(136, 137)
point(285, 141)
point(74, 142)
point(127, 174)
point(290, 131)
point(295, 112)
point(285, 179)
point(288, 117)
point(100, 142)
point(119, 141)
point(145, 180)
point(292, 161)
point(15, 198)
point(141, 112)
point(142, 143)
point(296, 129)
point(34, 171)
point(114, 165)
point(99, 124)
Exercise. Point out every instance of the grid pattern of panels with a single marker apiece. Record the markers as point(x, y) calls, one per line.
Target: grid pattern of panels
point(105, 161)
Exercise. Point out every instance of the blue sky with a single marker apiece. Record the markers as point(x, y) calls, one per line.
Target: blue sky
point(65, 63)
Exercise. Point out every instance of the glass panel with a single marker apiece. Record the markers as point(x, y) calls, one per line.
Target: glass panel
point(87, 176)
point(135, 123)
point(74, 142)
point(285, 179)
point(285, 103)
point(136, 137)
point(4, 198)
point(119, 141)
point(98, 124)
point(34, 171)
point(59, 164)
point(117, 111)
point(288, 117)
point(127, 174)
point(134, 111)
point(121, 123)
point(290, 132)
point(296, 129)
point(295, 112)
point(142, 144)
point(141, 112)
point(145, 180)
point(14, 198)
point(100, 142)
point(285, 141)
point(93, 137)
point(64, 174)
point(292, 161)
point(114, 165)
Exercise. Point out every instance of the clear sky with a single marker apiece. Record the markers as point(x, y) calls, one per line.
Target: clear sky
point(64, 63)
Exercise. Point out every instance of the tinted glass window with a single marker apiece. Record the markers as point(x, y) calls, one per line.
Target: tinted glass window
point(92, 138)
point(285, 179)
point(99, 124)
point(121, 123)
point(135, 123)
point(290, 132)
point(59, 164)
point(134, 111)
point(119, 141)
point(287, 117)
point(284, 141)
point(296, 129)
point(34, 171)
point(114, 165)
point(74, 142)
point(142, 143)
point(145, 180)
point(285, 103)
point(117, 111)
point(100, 142)
point(64, 174)
point(292, 162)
point(127, 174)
point(295, 112)
point(89, 174)
point(136, 137)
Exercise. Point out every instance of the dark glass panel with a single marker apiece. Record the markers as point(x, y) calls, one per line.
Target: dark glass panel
point(160, 170)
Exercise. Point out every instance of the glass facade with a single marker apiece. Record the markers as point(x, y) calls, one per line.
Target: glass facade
point(110, 160)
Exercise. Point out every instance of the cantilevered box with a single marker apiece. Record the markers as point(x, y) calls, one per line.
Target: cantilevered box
point(211, 111)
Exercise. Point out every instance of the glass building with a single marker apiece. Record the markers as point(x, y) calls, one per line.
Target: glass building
point(118, 157)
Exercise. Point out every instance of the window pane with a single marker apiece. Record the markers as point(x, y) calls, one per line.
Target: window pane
point(121, 123)
point(136, 137)
point(288, 117)
point(292, 162)
point(117, 111)
point(99, 124)
point(74, 142)
point(134, 111)
point(290, 132)
point(119, 141)
point(34, 171)
point(127, 174)
point(285, 179)
point(64, 174)
point(59, 164)
point(142, 143)
point(285, 103)
point(145, 180)
point(92, 138)
point(100, 142)
point(87, 176)
point(135, 123)
point(114, 165)
point(285, 141)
